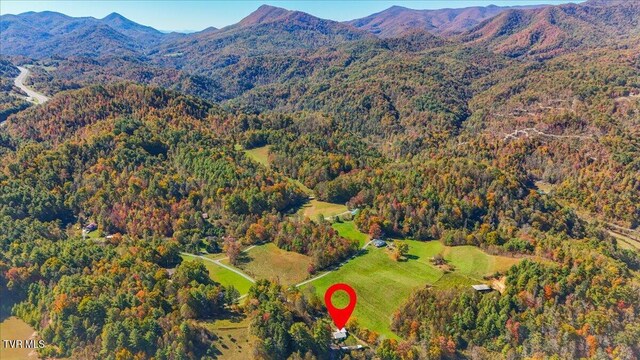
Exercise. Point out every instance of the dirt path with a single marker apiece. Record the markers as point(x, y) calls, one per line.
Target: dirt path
point(34, 96)
point(314, 278)
point(219, 263)
point(533, 131)
point(630, 236)
point(627, 98)
point(337, 215)
point(232, 269)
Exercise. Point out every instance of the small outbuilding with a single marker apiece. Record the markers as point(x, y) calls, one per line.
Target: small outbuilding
point(482, 288)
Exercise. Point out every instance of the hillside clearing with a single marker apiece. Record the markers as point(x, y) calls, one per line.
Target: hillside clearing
point(260, 155)
point(475, 263)
point(314, 207)
point(381, 283)
point(232, 338)
point(270, 262)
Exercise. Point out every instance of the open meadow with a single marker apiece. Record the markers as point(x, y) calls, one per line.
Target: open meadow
point(349, 230)
point(260, 155)
point(267, 261)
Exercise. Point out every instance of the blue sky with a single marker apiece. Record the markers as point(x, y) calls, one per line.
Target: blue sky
point(197, 15)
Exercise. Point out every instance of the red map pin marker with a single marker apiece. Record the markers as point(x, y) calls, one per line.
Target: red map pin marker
point(340, 316)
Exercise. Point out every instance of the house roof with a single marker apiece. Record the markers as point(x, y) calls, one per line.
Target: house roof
point(340, 334)
point(379, 243)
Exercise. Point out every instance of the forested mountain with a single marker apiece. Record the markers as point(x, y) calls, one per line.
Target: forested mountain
point(513, 133)
point(140, 33)
point(383, 90)
point(397, 20)
point(537, 31)
point(47, 34)
point(271, 34)
point(553, 30)
point(419, 90)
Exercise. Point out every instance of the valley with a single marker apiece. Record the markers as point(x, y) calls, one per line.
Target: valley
point(370, 270)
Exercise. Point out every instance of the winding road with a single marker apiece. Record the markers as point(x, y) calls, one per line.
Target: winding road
point(34, 96)
point(533, 131)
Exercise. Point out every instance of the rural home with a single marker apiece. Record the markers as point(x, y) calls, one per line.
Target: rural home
point(340, 335)
point(379, 243)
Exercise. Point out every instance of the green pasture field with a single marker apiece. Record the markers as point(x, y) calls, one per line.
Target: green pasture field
point(349, 230)
point(223, 276)
point(260, 155)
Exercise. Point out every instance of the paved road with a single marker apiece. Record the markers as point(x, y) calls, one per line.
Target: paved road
point(34, 96)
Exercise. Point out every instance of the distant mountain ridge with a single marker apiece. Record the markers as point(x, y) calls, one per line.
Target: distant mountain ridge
point(47, 33)
point(276, 33)
point(132, 29)
point(397, 20)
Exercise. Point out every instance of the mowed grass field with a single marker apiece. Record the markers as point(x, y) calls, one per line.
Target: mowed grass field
point(222, 275)
point(13, 328)
point(475, 263)
point(383, 285)
point(270, 262)
point(348, 230)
